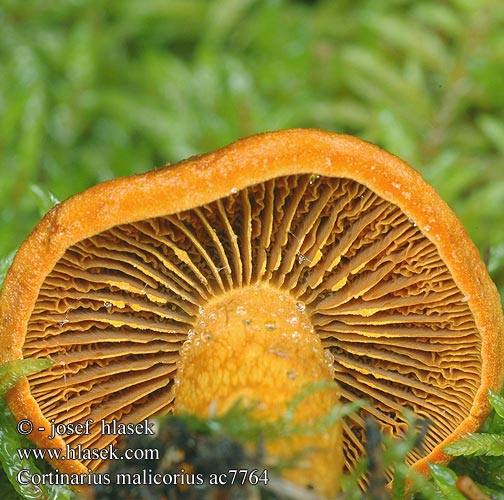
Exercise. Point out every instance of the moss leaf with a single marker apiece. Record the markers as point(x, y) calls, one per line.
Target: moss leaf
point(497, 401)
point(478, 445)
point(445, 479)
point(12, 371)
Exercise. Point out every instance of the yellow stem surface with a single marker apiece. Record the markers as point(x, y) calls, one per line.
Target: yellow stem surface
point(257, 345)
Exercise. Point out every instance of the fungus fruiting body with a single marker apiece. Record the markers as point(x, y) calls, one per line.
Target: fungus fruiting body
point(256, 345)
point(296, 257)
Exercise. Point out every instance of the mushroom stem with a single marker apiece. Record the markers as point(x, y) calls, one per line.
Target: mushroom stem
point(257, 345)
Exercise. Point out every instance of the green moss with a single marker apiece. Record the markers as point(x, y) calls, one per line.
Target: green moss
point(92, 90)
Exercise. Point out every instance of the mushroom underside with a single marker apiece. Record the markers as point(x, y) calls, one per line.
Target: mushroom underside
point(116, 309)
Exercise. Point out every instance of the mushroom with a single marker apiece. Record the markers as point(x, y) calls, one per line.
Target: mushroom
point(283, 259)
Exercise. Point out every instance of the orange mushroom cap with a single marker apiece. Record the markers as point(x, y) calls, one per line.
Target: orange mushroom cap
point(110, 282)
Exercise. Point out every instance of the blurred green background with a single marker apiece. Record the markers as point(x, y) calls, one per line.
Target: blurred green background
point(91, 90)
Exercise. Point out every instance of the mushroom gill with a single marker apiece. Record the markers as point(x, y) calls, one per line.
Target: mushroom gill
point(362, 275)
